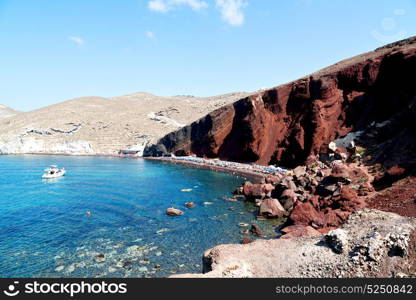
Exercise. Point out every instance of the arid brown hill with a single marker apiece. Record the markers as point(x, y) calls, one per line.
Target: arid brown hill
point(97, 125)
point(6, 112)
point(291, 122)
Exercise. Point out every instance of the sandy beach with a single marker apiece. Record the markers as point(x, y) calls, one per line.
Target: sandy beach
point(253, 172)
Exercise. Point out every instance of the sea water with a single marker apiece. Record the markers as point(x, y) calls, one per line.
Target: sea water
point(106, 217)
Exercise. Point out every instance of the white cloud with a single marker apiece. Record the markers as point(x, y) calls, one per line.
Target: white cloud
point(77, 40)
point(231, 11)
point(150, 34)
point(163, 6)
point(158, 5)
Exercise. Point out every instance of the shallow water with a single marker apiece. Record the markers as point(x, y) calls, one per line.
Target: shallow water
point(45, 231)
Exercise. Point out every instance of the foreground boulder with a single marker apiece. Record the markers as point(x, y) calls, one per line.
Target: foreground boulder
point(258, 190)
point(272, 208)
point(298, 231)
point(372, 243)
point(320, 195)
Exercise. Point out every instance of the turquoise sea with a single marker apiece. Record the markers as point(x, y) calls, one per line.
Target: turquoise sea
point(46, 232)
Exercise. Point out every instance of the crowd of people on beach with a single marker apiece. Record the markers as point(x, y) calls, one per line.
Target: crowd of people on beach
point(231, 165)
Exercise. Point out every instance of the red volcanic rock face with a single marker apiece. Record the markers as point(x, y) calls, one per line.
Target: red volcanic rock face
point(288, 124)
point(304, 213)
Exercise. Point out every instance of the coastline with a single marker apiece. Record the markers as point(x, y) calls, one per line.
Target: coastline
point(247, 171)
point(120, 206)
point(248, 174)
point(237, 260)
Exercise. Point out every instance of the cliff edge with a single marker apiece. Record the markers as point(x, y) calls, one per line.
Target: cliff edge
point(288, 124)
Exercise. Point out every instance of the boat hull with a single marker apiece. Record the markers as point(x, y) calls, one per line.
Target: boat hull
point(55, 175)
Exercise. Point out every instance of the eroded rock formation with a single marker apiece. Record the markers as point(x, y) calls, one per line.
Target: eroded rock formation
point(287, 124)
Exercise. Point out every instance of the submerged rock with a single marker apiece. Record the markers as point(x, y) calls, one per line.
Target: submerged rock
point(70, 269)
point(232, 199)
point(173, 212)
point(99, 258)
point(255, 229)
point(246, 240)
point(160, 231)
point(190, 204)
point(59, 268)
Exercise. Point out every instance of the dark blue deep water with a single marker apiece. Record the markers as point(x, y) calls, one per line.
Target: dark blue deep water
point(45, 231)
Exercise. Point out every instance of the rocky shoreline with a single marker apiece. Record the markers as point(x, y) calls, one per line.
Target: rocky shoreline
point(347, 135)
point(371, 243)
point(324, 203)
point(315, 199)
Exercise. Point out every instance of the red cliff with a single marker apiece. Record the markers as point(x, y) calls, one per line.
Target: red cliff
point(288, 124)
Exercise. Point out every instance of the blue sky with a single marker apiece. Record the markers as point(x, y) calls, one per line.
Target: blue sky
point(52, 51)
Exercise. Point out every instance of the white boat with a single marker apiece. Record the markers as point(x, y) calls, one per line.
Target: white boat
point(53, 172)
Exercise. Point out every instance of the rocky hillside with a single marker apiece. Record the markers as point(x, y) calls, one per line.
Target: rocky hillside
point(6, 112)
point(96, 125)
point(291, 123)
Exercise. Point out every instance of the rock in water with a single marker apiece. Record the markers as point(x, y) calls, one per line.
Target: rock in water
point(253, 191)
point(246, 240)
point(59, 268)
point(272, 208)
point(173, 212)
point(256, 230)
point(99, 258)
point(190, 204)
